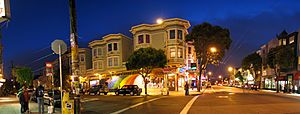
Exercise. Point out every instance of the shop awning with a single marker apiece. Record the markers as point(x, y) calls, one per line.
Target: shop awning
point(297, 76)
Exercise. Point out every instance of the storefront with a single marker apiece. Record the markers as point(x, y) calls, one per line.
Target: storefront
point(269, 83)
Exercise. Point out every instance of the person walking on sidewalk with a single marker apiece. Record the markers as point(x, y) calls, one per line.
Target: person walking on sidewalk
point(21, 99)
point(26, 98)
point(40, 97)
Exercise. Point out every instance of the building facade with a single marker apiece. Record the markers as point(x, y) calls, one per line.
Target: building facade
point(109, 56)
point(170, 37)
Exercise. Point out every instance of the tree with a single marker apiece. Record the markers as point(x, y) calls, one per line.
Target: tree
point(280, 58)
point(205, 36)
point(253, 62)
point(239, 76)
point(144, 60)
point(6, 88)
point(24, 75)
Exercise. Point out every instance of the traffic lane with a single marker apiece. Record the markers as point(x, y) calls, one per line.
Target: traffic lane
point(165, 105)
point(243, 103)
point(109, 104)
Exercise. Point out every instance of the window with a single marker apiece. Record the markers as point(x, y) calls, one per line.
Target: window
point(95, 65)
point(100, 52)
point(292, 40)
point(82, 57)
point(116, 61)
point(140, 39)
point(95, 52)
point(115, 46)
point(179, 53)
point(100, 65)
point(189, 50)
point(179, 34)
point(172, 52)
point(147, 38)
point(109, 62)
point(109, 47)
point(172, 34)
point(284, 42)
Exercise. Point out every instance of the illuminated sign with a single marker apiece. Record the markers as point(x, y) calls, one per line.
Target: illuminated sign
point(2, 8)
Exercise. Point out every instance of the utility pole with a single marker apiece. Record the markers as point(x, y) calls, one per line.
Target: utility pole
point(74, 55)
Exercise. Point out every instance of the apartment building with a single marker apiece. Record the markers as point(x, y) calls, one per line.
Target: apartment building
point(109, 56)
point(170, 37)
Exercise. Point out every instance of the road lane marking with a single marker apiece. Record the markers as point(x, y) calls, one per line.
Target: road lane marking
point(188, 105)
point(138, 104)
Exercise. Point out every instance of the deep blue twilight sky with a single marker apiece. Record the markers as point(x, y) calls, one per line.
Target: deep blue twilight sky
point(36, 23)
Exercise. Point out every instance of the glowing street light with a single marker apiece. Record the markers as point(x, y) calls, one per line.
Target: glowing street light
point(230, 69)
point(159, 21)
point(209, 73)
point(213, 49)
point(220, 76)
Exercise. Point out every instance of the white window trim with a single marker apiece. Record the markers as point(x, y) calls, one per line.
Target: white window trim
point(112, 46)
point(170, 51)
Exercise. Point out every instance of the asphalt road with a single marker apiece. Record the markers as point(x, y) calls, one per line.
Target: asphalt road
point(217, 100)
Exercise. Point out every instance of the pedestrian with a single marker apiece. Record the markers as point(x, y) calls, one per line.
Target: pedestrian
point(26, 99)
point(21, 99)
point(40, 97)
point(186, 88)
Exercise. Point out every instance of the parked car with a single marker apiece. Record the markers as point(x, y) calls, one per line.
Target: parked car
point(208, 85)
point(129, 89)
point(98, 89)
point(254, 87)
point(48, 97)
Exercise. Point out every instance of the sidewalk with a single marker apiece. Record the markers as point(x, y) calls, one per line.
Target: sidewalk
point(12, 106)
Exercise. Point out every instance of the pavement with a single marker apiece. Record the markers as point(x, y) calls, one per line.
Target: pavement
point(11, 105)
point(215, 100)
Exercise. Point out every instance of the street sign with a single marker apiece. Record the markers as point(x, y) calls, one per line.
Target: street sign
point(56, 44)
point(49, 69)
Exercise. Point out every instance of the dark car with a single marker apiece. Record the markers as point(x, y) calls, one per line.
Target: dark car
point(254, 87)
point(96, 90)
point(129, 89)
point(48, 97)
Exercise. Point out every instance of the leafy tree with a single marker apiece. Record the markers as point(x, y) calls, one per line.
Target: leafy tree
point(239, 76)
point(253, 62)
point(24, 75)
point(280, 58)
point(144, 60)
point(205, 36)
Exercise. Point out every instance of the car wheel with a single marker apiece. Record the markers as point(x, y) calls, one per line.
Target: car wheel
point(117, 93)
point(131, 93)
point(105, 93)
point(124, 94)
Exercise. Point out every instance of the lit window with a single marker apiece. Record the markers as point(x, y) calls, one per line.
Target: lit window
point(109, 62)
point(109, 47)
point(179, 34)
point(141, 39)
point(82, 58)
point(172, 52)
point(115, 46)
point(292, 40)
point(284, 42)
point(116, 61)
point(147, 38)
point(94, 52)
point(100, 52)
point(179, 53)
point(172, 34)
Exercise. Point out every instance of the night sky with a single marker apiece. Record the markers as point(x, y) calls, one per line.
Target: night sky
point(36, 23)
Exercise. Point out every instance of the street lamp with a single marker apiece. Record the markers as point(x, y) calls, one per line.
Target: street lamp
point(159, 21)
point(213, 49)
point(230, 69)
point(209, 73)
point(220, 76)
